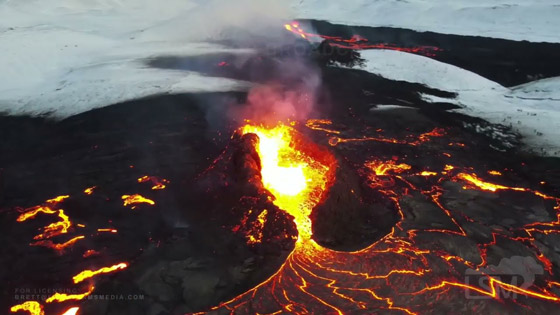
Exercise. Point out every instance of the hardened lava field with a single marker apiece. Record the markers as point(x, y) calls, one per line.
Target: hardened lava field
point(452, 219)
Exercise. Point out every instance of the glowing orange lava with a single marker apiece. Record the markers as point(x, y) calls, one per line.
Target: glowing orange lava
point(255, 233)
point(53, 229)
point(397, 273)
point(296, 179)
point(32, 212)
point(62, 297)
point(89, 191)
point(57, 228)
point(321, 124)
point(474, 180)
point(381, 168)
point(34, 308)
point(392, 273)
point(58, 246)
point(428, 173)
point(58, 199)
point(357, 42)
point(107, 230)
point(86, 274)
point(136, 199)
point(158, 183)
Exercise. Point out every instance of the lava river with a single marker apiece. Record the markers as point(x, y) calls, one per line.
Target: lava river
point(395, 274)
point(412, 269)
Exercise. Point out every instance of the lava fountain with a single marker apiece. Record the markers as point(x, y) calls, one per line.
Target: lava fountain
point(297, 173)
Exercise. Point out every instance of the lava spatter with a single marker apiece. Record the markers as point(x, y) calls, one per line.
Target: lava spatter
point(296, 179)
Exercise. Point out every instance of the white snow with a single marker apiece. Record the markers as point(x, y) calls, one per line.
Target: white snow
point(531, 20)
point(532, 110)
point(68, 56)
point(388, 107)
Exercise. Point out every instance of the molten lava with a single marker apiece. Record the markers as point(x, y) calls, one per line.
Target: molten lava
point(136, 199)
point(86, 274)
point(381, 168)
point(297, 179)
point(158, 183)
point(394, 273)
point(357, 41)
point(62, 297)
point(32, 307)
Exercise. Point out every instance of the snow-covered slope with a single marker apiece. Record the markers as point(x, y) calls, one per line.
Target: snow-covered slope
point(532, 110)
point(68, 56)
point(532, 20)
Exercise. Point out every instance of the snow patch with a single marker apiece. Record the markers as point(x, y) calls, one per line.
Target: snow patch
point(64, 57)
point(531, 110)
point(531, 20)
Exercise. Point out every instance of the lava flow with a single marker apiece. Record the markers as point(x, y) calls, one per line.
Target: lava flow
point(409, 270)
point(397, 273)
point(61, 228)
point(358, 42)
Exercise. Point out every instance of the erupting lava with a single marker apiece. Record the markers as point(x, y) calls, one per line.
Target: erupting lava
point(397, 273)
point(295, 178)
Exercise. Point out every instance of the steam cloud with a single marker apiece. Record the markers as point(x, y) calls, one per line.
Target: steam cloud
point(218, 19)
point(288, 86)
point(291, 94)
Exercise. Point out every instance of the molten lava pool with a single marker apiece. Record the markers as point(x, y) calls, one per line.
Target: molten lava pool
point(297, 179)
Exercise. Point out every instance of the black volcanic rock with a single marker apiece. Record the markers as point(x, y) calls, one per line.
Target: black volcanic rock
point(353, 215)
